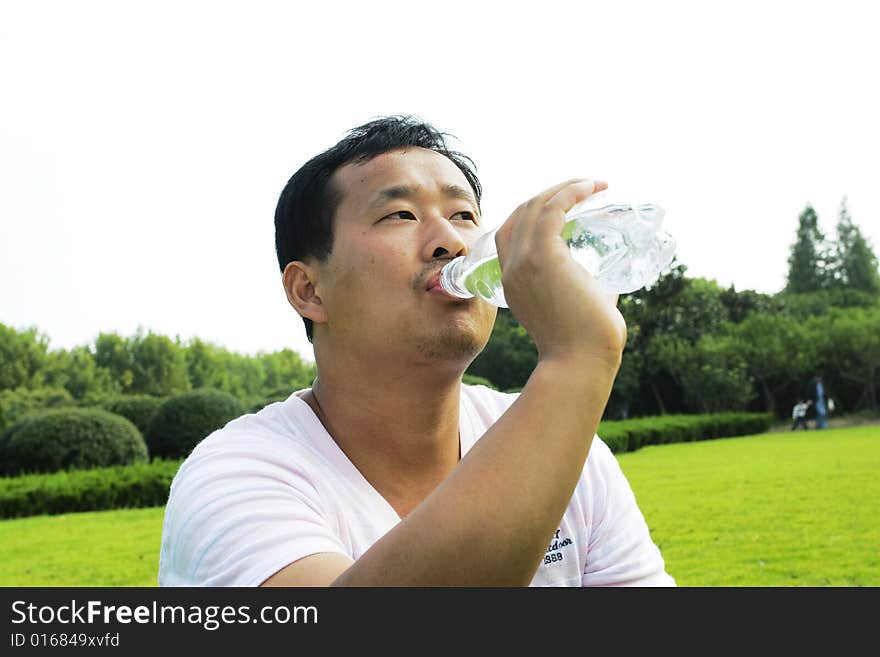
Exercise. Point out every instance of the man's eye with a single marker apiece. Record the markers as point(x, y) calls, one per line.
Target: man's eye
point(402, 214)
point(467, 216)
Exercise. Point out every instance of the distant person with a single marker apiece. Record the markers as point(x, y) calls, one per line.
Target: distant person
point(799, 414)
point(389, 470)
point(817, 396)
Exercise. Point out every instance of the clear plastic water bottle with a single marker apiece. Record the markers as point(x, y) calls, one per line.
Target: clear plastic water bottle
point(622, 246)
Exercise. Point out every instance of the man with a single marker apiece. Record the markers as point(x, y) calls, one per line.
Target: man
point(818, 396)
point(389, 471)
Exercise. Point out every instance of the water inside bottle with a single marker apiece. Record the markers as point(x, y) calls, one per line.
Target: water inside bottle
point(596, 252)
point(483, 280)
point(621, 246)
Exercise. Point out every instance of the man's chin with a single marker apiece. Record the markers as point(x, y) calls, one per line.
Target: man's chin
point(451, 345)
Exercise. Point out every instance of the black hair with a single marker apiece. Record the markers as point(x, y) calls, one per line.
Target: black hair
point(308, 202)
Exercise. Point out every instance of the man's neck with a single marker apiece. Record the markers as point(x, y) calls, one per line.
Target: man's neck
point(398, 427)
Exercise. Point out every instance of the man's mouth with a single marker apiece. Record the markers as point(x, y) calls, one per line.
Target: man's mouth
point(433, 286)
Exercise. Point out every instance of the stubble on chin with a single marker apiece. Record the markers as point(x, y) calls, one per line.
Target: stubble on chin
point(451, 343)
point(457, 341)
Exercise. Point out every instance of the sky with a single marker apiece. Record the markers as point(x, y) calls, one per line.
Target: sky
point(143, 146)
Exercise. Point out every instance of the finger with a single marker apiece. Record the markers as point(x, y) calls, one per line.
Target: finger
point(576, 189)
point(529, 211)
point(564, 200)
point(550, 191)
point(570, 195)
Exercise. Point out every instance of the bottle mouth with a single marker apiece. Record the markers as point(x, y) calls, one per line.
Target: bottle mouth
point(448, 277)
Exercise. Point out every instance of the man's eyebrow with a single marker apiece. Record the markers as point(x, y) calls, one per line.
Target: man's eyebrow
point(454, 191)
point(391, 194)
point(408, 191)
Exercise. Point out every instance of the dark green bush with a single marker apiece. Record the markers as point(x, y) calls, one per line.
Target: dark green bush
point(280, 394)
point(184, 420)
point(18, 402)
point(630, 435)
point(139, 409)
point(120, 487)
point(474, 380)
point(69, 438)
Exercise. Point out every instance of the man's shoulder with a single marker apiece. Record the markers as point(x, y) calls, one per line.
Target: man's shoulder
point(281, 420)
point(278, 433)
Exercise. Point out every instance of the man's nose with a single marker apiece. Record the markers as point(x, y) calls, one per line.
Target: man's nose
point(444, 241)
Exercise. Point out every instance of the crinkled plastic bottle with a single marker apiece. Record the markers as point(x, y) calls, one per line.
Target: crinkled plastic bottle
point(621, 245)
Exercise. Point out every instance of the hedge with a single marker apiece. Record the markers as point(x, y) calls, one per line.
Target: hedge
point(147, 484)
point(630, 435)
point(119, 487)
point(474, 380)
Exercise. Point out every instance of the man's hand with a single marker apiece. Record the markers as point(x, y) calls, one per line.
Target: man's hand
point(557, 301)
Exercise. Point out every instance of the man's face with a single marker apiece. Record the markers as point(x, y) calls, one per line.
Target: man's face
point(403, 215)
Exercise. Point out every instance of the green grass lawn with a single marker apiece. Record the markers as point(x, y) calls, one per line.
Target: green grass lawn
point(98, 548)
point(783, 509)
point(787, 509)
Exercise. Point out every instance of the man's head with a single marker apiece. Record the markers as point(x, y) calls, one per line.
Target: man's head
point(306, 208)
point(363, 229)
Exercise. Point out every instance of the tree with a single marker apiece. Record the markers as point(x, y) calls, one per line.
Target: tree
point(246, 377)
point(685, 307)
point(675, 308)
point(22, 357)
point(77, 372)
point(854, 264)
point(626, 384)
point(848, 342)
point(777, 351)
point(808, 260)
point(285, 370)
point(206, 365)
point(711, 372)
point(741, 305)
point(113, 353)
point(18, 402)
point(715, 377)
point(509, 357)
point(158, 366)
point(641, 310)
point(252, 379)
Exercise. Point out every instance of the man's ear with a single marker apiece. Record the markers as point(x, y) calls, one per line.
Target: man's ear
point(299, 281)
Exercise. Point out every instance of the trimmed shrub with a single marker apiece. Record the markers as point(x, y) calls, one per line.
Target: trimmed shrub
point(278, 395)
point(185, 419)
point(473, 380)
point(630, 435)
point(120, 487)
point(16, 403)
point(67, 439)
point(138, 409)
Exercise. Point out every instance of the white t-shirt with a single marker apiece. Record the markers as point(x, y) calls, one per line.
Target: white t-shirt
point(272, 487)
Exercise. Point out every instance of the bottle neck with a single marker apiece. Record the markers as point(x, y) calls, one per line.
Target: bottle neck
point(451, 279)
